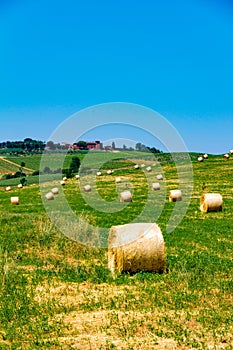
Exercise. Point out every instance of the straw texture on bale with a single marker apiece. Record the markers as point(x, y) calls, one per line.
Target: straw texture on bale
point(156, 186)
point(98, 173)
point(175, 196)
point(125, 196)
point(136, 166)
point(206, 156)
point(136, 247)
point(226, 156)
point(55, 190)
point(49, 196)
point(20, 186)
point(211, 202)
point(118, 180)
point(148, 169)
point(87, 188)
point(200, 159)
point(62, 182)
point(159, 177)
point(15, 200)
point(8, 188)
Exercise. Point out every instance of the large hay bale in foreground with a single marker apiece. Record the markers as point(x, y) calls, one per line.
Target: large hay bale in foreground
point(125, 196)
point(136, 247)
point(175, 196)
point(15, 200)
point(211, 202)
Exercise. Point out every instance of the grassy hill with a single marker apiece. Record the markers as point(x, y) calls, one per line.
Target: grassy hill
point(57, 293)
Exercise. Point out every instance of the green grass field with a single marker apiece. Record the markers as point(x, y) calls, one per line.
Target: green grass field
point(59, 294)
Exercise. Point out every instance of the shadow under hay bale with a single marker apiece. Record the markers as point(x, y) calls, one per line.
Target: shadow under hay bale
point(211, 202)
point(136, 247)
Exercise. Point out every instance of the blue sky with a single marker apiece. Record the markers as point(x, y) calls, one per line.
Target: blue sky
point(58, 57)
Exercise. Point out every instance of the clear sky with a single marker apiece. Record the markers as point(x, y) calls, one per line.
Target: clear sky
point(176, 57)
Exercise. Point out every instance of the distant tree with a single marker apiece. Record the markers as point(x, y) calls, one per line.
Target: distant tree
point(22, 164)
point(138, 146)
point(51, 145)
point(47, 170)
point(113, 145)
point(124, 147)
point(23, 181)
point(74, 165)
point(82, 144)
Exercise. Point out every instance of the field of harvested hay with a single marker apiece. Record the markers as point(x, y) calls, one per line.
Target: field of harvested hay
point(59, 294)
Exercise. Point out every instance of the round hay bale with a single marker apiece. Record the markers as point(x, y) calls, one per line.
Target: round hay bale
point(211, 202)
point(136, 247)
point(125, 196)
point(226, 156)
point(8, 188)
point(136, 166)
point(231, 151)
point(175, 196)
point(109, 172)
point(77, 177)
point(20, 186)
point(149, 169)
point(64, 178)
point(87, 188)
point(118, 180)
point(156, 186)
point(49, 196)
point(143, 166)
point(200, 159)
point(98, 173)
point(15, 200)
point(159, 177)
point(205, 156)
point(62, 182)
point(55, 190)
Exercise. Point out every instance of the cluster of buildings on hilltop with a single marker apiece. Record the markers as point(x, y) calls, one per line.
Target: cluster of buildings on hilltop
point(96, 145)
